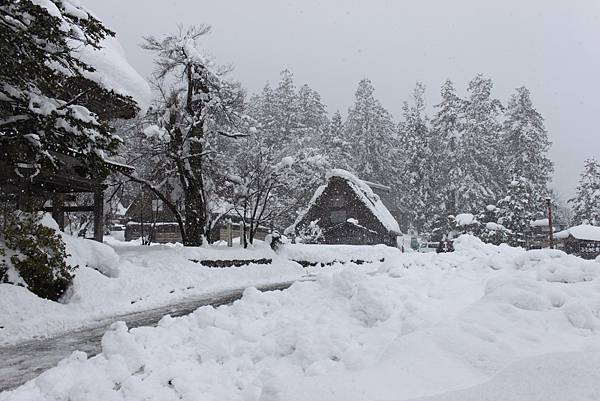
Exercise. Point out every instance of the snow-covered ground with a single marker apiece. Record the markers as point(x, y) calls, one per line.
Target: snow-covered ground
point(483, 323)
point(119, 277)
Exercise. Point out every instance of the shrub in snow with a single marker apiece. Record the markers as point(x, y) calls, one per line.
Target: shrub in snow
point(37, 255)
point(311, 234)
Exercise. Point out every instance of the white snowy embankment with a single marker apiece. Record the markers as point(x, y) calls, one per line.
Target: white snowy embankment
point(413, 326)
point(128, 277)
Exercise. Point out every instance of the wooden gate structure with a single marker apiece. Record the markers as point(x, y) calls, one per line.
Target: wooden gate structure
point(71, 178)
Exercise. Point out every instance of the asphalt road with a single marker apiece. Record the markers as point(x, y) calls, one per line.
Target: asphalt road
point(24, 361)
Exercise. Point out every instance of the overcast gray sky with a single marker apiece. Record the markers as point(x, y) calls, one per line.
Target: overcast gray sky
point(550, 46)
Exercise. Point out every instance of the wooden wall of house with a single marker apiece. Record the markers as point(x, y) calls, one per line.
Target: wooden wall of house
point(149, 208)
point(337, 203)
point(164, 233)
point(582, 248)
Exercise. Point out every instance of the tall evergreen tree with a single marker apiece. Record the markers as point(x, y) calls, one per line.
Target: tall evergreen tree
point(286, 111)
point(525, 143)
point(337, 147)
point(586, 203)
point(312, 116)
point(420, 160)
point(44, 86)
point(479, 153)
point(446, 136)
point(516, 211)
point(370, 129)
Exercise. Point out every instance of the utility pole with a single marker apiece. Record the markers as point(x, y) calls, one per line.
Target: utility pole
point(550, 225)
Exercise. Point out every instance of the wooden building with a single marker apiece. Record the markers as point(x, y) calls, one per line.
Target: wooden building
point(582, 240)
point(147, 216)
point(346, 211)
point(52, 189)
point(55, 190)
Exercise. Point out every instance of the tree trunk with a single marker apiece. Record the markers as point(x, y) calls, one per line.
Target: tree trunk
point(99, 215)
point(195, 200)
point(191, 169)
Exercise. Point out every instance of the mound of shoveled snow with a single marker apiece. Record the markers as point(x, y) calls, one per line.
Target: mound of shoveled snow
point(414, 326)
point(124, 277)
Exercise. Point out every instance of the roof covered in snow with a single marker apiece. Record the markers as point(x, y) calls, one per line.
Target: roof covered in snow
point(368, 197)
point(539, 223)
point(583, 232)
point(464, 219)
point(113, 71)
point(364, 193)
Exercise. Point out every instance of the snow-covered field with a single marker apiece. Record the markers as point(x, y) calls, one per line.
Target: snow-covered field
point(483, 323)
point(133, 278)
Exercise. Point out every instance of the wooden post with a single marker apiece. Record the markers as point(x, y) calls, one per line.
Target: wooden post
point(142, 214)
point(550, 225)
point(229, 234)
point(99, 215)
point(58, 211)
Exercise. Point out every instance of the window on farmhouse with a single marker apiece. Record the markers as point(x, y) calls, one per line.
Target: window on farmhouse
point(338, 216)
point(157, 205)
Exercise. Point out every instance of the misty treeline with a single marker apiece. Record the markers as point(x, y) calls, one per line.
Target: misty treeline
point(207, 148)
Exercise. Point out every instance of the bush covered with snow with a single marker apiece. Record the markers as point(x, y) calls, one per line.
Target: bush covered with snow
point(34, 255)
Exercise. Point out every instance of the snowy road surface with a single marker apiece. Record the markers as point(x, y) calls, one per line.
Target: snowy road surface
point(26, 360)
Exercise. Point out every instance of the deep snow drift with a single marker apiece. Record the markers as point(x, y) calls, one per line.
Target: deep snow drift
point(126, 277)
point(483, 323)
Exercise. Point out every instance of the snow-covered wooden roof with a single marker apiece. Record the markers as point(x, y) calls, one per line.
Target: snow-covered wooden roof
point(584, 232)
point(113, 71)
point(364, 193)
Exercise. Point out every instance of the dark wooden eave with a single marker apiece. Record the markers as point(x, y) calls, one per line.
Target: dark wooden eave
point(107, 104)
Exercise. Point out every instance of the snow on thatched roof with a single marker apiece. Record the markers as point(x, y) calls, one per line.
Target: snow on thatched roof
point(363, 192)
point(583, 232)
point(368, 197)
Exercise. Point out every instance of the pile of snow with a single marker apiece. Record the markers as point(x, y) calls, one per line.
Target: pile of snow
point(313, 253)
point(485, 317)
point(86, 253)
point(583, 232)
point(120, 277)
point(260, 250)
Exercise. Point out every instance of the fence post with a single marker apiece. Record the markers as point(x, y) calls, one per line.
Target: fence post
point(229, 234)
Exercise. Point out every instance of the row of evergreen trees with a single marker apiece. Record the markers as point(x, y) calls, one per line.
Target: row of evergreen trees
point(464, 156)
